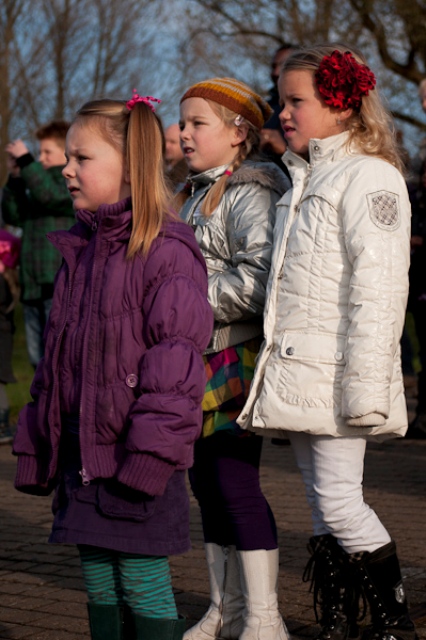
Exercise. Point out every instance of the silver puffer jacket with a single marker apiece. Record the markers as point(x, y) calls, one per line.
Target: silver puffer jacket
point(236, 242)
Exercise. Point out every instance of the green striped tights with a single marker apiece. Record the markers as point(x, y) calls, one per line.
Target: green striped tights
point(142, 583)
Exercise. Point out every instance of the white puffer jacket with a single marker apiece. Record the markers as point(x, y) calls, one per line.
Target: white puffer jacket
point(336, 298)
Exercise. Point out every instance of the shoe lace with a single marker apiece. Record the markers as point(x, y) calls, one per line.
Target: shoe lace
point(334, 585)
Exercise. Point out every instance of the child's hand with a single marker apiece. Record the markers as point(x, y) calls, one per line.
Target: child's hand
point(17, 148)
point(271, 140)
point(369, 420)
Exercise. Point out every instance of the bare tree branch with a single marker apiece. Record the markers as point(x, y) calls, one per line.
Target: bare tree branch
point(407, 118)
point(371, 21)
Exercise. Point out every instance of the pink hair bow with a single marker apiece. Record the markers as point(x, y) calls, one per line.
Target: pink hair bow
point(145, 99)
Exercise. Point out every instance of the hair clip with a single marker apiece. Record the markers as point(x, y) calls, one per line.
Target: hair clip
point(228, 172)
point(145, 99)
point(238, 120)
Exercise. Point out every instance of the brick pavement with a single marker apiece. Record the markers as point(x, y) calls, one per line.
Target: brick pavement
point(41, 590)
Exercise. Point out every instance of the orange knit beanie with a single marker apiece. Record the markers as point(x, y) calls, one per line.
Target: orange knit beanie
point(234, 95)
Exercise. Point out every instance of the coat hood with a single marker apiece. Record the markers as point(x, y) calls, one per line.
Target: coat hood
point(266, 174)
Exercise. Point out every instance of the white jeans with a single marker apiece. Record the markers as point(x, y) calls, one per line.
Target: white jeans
point(333, 469)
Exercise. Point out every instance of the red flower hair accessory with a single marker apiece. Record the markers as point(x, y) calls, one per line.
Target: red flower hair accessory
point(342, 81)
point(145, 99)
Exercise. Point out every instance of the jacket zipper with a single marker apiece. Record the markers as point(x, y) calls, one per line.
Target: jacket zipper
point(296, 209)
point(55, 352)
point(85, 479)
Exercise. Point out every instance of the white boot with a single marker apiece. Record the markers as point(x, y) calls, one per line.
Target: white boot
point(259, 577)
point(224, 617)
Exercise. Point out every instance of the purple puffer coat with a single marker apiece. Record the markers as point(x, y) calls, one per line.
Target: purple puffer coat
point(142, 327)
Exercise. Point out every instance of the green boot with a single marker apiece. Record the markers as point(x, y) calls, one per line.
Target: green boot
point(158, 628)
point(106, 621)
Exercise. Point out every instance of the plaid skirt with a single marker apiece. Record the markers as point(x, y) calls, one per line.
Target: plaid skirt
point(229, 374)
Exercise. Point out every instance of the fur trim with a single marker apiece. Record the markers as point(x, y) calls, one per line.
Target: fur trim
point(267, 174)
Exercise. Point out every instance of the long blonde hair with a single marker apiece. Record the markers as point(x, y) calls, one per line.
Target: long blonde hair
point(138, 135)
point(371, 128)
point(246, 149)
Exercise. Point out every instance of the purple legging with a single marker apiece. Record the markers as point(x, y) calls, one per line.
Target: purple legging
point(225, 481)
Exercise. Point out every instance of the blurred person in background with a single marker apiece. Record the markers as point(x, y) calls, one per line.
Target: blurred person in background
point(10, 247)
point(36, 199)
point(272, 141)
point(176, 167)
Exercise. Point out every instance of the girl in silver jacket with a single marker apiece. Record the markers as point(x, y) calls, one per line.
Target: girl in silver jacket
point(230, 199)
point(329, 373)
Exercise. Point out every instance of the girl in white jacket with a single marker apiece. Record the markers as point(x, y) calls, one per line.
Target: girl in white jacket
point(329, 373)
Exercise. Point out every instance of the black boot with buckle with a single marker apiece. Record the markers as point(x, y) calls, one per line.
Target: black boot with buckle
point(332, 582)
point(381, 583)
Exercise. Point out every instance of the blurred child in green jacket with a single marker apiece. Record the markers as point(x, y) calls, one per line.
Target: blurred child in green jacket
point(36, 199)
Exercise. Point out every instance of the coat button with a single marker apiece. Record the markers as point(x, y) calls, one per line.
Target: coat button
point(339, 356)
point(289, 351)
point(132, 380)
point(316, 148)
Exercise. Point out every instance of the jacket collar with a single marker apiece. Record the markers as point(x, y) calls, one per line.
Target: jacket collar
point(116, 217)
point(207, 177)
point(116, 224)
point(326, 150)
point(267, 174)
point(115, 220)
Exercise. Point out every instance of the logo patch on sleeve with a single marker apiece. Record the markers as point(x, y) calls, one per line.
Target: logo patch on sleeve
point(384, 209)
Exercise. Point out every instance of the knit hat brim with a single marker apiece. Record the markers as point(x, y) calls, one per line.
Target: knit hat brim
point(234, 95)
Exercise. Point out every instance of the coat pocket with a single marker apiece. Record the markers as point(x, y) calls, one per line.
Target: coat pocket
point(312, 367)
point(115, 500)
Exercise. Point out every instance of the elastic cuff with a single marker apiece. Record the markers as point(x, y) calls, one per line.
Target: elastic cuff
point(31, 476)
point(370, 420)
point(147, 473)
point(25, 160)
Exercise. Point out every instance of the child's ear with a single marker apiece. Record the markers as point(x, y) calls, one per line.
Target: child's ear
point(240, 134)
point(344, 115)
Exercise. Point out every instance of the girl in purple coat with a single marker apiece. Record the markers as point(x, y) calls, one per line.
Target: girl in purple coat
point(117, 398)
